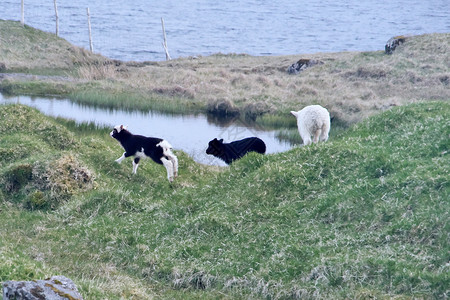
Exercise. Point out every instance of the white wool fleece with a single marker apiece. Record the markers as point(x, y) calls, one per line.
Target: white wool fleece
point(313, 120)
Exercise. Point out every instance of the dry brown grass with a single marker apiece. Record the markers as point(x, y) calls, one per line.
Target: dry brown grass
point(352, 85)
point(101, 71)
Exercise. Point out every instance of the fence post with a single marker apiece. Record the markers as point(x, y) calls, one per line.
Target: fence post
point(165, 41)
point(89, 25)
point(57, 18)
point(22, 18)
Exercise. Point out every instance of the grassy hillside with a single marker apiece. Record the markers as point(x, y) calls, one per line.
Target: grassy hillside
point(365, 215)
point(352, 85)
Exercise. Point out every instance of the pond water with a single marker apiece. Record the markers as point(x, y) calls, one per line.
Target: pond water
point(190, 133)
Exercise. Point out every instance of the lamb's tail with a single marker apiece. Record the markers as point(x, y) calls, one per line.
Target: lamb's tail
point(167, 147)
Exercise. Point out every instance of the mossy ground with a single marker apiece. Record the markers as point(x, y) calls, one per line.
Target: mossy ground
point(364, 215)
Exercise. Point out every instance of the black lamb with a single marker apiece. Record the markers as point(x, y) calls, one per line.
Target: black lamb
point(228, 152)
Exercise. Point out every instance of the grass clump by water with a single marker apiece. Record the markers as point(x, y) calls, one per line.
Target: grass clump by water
point(364, 215)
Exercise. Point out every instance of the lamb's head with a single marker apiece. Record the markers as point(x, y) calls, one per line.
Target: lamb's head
point(215, 147)
point(117, 130)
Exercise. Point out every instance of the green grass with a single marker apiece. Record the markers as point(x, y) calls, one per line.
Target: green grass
point(135, 101)
point(364, 215)
point(35, 88)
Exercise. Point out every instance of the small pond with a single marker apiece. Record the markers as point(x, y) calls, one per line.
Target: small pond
point(190, 133)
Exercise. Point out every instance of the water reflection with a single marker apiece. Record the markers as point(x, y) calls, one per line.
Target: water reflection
point(190, 133)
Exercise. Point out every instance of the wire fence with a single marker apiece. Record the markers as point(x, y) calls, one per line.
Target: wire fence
point(115, 34)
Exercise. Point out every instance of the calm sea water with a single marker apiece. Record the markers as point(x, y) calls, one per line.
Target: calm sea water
point(131, 30)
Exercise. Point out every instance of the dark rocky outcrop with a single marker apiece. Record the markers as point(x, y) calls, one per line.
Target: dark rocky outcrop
point(393, 42)
point(302, 64)
point(55, 288)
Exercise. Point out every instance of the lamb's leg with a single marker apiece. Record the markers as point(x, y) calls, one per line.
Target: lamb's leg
point(324, 135)
point(306, 139)
point(317, 134)
point(169, 167)
point(119, 160)
point(306, 136)
point(135, 164)
point(174, 161)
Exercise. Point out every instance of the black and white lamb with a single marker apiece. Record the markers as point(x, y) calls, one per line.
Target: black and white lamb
point(228, 152)
point(159, 150)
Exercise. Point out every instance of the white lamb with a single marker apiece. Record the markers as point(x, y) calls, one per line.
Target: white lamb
point(313, 120)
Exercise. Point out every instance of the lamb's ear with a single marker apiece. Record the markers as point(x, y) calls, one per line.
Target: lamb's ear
point(221, 140)
point(295, 113)
point(121, 127)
